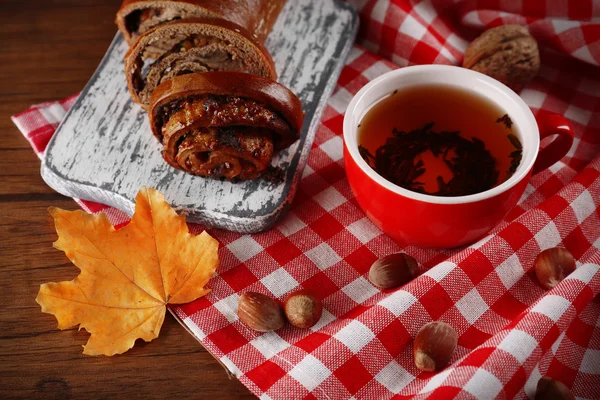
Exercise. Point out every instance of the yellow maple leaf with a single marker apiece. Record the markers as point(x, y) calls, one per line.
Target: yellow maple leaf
point(128, 276)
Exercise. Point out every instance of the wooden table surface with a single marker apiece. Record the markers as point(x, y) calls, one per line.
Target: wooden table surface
point(49, 49)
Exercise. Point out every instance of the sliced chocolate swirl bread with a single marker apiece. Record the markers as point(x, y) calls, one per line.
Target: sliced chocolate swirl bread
point(135, 17)
point(224, 124)
point(188, 46)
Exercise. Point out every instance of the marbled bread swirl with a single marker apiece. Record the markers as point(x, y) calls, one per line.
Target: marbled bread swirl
point(188, 46)
point(224, 124)
point(135, 17)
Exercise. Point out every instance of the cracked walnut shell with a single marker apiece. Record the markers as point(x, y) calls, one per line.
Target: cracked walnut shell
point(507, 53)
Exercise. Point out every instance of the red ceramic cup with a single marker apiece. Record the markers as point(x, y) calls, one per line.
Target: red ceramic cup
point(434, 221)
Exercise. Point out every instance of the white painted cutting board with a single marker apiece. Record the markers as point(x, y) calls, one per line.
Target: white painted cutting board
point(104, 150)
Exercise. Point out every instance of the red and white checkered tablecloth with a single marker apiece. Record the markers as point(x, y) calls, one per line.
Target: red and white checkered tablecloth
point(511, 331)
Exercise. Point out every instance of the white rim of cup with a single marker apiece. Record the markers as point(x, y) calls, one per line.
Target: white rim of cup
point(474, 81)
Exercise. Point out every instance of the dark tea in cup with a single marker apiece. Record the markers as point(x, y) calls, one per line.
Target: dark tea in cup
point(440, 140)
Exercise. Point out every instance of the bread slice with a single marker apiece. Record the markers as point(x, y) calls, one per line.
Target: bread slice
point(224, 124)
point(135, 17)
point(188, 46)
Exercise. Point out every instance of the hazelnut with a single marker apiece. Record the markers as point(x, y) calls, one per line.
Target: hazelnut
point(434, 345)
point(553, 265)
point(548, 388)
point(303, 309)
point(507, 53)
point(393, 270)
point(260, 312)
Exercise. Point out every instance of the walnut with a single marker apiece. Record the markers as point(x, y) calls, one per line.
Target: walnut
point(507, 53)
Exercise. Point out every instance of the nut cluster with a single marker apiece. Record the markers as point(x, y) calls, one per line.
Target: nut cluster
point(507, 53)
point(262, 313)
point(434, 344)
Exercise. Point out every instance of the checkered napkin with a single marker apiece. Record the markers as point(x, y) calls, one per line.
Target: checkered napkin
point(511, 331)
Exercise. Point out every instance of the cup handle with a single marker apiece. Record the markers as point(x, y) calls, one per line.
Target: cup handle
point(552, 124)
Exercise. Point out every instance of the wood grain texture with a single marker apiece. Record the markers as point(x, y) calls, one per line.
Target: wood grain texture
point(49, 51)
point(104, 150)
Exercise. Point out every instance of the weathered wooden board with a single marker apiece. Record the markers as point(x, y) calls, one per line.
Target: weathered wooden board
point(104, 150)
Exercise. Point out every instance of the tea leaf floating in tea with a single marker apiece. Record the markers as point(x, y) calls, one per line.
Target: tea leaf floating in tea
point(472, 165)
point(505, 119)
point(515, 156)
